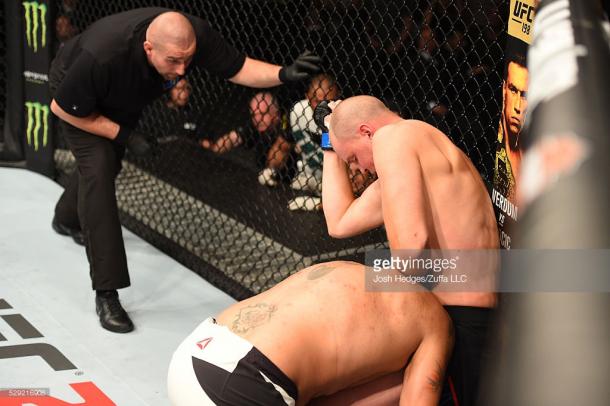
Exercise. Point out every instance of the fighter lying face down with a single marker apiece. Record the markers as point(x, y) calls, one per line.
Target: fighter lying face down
point(317, 333)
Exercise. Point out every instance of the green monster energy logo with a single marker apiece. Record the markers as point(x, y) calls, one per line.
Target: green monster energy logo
point(37, 116)
point(35, 17)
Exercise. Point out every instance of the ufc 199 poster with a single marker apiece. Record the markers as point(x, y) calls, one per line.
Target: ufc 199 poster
point(514, 110)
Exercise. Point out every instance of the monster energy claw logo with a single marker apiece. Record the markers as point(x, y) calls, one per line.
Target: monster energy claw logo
point(37, 116)
point(35, 17)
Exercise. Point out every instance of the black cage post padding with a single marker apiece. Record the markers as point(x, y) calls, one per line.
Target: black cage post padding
point(567, 211)
point(428, 60)
point(3, 45)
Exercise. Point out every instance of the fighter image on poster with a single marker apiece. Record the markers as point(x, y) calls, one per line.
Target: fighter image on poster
point(514, 109)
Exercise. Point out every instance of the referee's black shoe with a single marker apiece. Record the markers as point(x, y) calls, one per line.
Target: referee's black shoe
point(112, 315)
point(76, 234)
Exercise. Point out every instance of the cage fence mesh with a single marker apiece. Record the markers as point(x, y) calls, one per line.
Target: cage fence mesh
point(233, 188)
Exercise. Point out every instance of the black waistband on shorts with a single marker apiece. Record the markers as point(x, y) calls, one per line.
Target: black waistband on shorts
point(266, 366)
point(469, 315)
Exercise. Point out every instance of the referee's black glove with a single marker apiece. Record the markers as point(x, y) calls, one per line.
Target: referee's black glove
point(302, 68)
point(134, 141)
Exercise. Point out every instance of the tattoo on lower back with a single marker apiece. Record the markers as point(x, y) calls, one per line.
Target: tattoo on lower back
point(319, 271)
point(251, 317)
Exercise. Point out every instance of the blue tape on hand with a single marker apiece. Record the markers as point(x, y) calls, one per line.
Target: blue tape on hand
point(325, 144)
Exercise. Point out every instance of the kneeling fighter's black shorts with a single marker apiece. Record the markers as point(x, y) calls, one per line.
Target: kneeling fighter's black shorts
point(471, 327)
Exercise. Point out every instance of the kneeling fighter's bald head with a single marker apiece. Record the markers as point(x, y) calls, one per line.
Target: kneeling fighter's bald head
point(353, 123)
point(170, 44)
point(354, 111)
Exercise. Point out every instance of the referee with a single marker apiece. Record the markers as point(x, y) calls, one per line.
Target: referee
point(100, 81)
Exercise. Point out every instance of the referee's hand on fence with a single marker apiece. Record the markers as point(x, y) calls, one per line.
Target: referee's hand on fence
point(302, 68)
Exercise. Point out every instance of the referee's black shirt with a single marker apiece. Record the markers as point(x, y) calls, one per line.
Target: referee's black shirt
point(106, 70)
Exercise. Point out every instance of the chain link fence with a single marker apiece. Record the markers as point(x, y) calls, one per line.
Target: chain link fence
point(233, 190)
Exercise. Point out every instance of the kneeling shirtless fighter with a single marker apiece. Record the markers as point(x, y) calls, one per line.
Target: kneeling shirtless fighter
point(317, 333)
point(429, 196)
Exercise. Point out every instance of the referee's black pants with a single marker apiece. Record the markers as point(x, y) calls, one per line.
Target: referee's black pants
point(89, 202)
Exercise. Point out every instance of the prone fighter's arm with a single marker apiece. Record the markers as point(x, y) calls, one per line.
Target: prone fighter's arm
point(424, 376)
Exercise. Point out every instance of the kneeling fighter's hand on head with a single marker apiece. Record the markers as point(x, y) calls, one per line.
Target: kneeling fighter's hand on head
point(134, 141)
point(319, 115)
point(302, 68)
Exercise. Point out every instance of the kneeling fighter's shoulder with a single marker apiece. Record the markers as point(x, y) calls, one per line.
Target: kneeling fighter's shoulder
point(412, 127)
point(403, 134)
